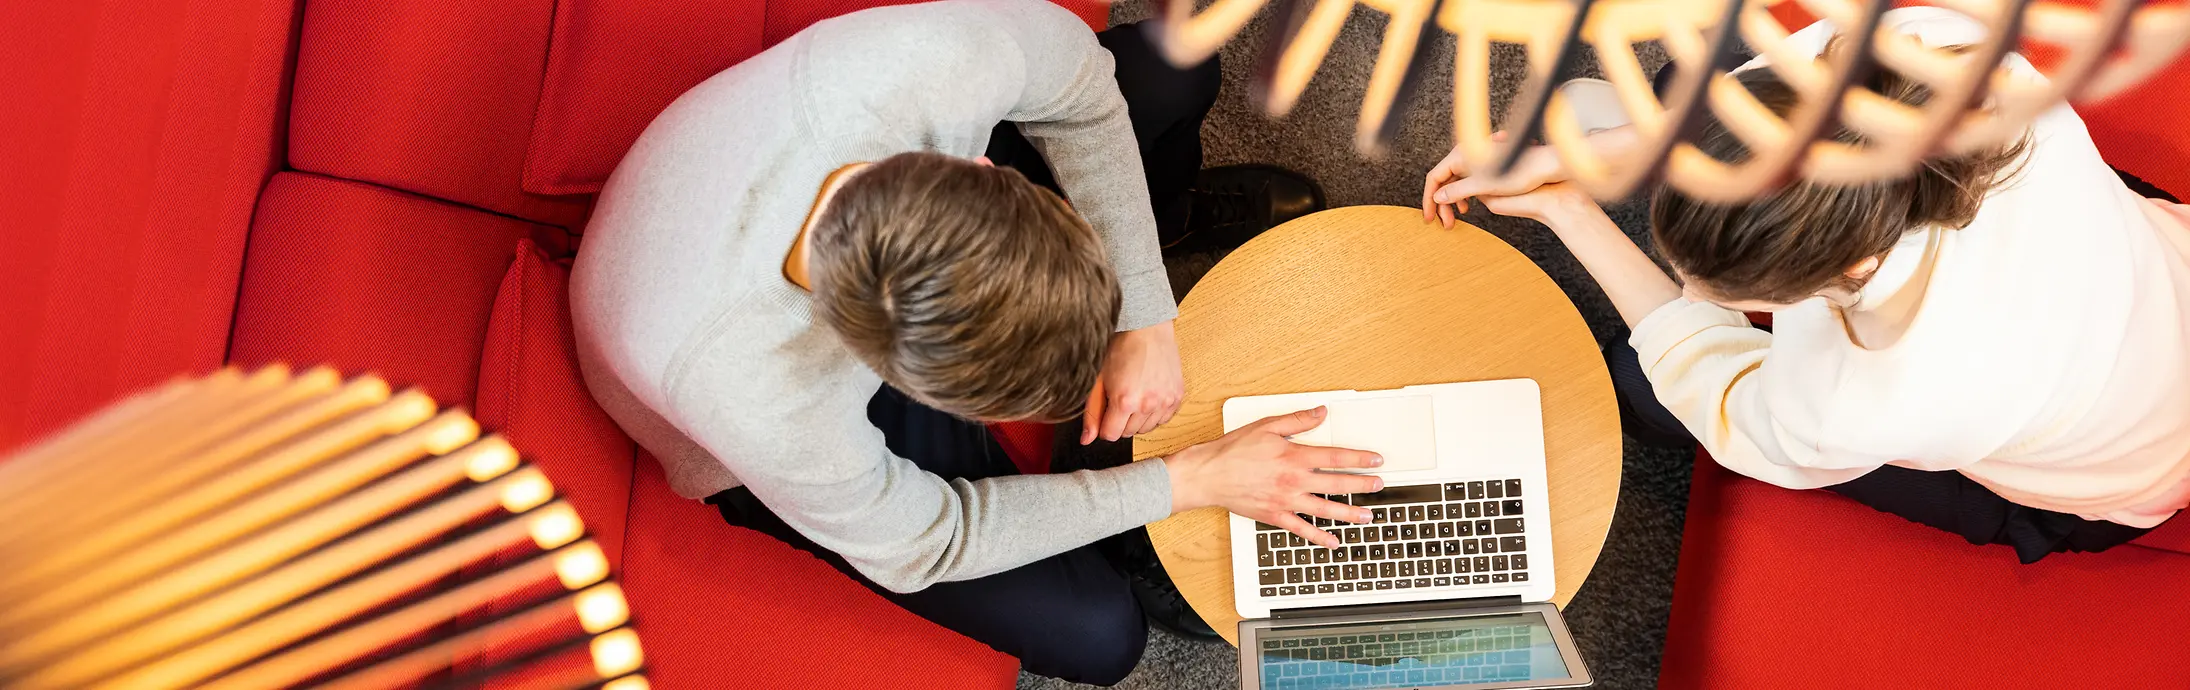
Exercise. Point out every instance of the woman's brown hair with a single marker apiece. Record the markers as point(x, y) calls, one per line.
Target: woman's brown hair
point(1790, 244)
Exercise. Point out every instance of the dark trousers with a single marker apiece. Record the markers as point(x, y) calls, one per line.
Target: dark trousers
point(1944, 500)
point(1072, 615)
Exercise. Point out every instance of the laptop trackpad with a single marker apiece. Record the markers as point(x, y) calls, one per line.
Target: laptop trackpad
point(1402, 428)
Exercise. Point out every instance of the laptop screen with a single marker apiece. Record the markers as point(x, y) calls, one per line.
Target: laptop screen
point(1431, 652)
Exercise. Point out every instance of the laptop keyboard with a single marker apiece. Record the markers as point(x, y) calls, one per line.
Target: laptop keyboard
point(1460, 534)
point(1399, 660)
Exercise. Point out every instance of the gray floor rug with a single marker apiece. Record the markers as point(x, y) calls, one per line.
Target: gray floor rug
point(1620, 614)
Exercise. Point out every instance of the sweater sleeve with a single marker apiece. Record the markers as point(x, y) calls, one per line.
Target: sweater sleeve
point(792, 424)
point(1703, 361)
point(1070, 109)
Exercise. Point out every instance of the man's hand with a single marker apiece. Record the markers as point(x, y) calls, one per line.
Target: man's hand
point(1140, 387)
point(1256, 472)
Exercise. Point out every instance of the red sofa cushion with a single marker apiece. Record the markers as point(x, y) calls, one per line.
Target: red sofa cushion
point(430, 97)
point(365, 278)
point(134, 137)
point(615, 64)
point(719, 605)
point(531, 393)
point(1805, 589)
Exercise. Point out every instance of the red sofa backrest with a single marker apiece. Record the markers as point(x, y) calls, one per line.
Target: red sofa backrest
point(134, 137)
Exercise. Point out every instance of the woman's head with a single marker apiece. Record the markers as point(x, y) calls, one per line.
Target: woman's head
point(1809, 239)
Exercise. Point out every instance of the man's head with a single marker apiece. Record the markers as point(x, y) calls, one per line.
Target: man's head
point(1810, 239)
point(967, 287)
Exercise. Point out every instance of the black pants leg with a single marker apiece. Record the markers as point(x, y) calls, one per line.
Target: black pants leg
point(1069, 616)
point(1167, 106)
point(1957, 504)
point(1943, 500)
point(1642, 417)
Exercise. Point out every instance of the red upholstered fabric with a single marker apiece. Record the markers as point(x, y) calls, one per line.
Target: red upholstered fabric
point(426, 96)
point(134, 136)
point(722, 606)
point(615, 64)
point(1027, 443)
point(370, 279)
point(531, 393)
point(788, 17)
point(2146, 131)
point(1805, 589)
point(2140, 131)
point(2172, 536)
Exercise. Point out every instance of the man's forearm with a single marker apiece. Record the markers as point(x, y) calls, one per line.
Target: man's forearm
point(1636, 285)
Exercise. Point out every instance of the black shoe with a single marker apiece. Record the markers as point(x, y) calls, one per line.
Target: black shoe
point(1160, 600)
point(1232, 204)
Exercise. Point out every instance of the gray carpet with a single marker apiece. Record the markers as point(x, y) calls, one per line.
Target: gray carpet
point(1619, 616)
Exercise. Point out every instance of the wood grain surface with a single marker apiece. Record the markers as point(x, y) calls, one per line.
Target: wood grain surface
point(1368, 298)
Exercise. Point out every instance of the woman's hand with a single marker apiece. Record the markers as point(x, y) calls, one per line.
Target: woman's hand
point(1447, 187)
point(1551, 204)
point(1140, 388)
point(1255, 472)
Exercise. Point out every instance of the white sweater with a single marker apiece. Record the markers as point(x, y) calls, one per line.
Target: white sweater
point(2049, 361)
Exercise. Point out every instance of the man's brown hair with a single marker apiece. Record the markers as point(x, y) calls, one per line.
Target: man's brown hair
point(967, 287)
point(1792, 243)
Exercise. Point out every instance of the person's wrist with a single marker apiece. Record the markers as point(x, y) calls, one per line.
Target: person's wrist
point(1572, 210)
point(1187, 486)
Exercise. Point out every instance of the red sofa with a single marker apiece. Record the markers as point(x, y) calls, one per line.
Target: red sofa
point(389, 185)
point(394, 186)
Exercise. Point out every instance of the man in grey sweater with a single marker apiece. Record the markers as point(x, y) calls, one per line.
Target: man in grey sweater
point(818, 221)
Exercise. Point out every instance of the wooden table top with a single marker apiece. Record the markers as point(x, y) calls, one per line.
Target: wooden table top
point(1369, 298)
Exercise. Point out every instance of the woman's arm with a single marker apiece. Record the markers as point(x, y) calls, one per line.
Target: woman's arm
point(1701, 359)
point(1635, 283)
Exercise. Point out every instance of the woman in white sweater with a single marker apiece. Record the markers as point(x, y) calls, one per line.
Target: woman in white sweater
point(1997, 345)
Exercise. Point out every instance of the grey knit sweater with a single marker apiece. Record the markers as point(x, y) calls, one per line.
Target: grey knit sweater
point(691, 338)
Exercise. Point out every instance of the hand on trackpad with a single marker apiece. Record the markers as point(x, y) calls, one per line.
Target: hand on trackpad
point(1401, 428)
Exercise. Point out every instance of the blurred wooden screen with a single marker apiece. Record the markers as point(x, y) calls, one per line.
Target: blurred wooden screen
point(271, 529)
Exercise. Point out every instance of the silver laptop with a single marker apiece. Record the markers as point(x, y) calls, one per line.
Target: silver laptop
point(1446, 588)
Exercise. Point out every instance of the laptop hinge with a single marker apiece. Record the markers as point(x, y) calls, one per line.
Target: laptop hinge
point(1402, 607)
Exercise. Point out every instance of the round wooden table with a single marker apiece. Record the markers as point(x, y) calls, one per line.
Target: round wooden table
point(1369, 298)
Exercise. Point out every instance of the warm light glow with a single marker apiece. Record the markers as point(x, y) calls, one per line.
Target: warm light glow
point(602, 608)
point(581, 565)
point(616, 652)
point(627, 683)
point(526, 491)
point(555, 526)
point(490, 459)
point(459, 430)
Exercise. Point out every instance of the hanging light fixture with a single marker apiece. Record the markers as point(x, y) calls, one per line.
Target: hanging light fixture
point(2104, 49)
